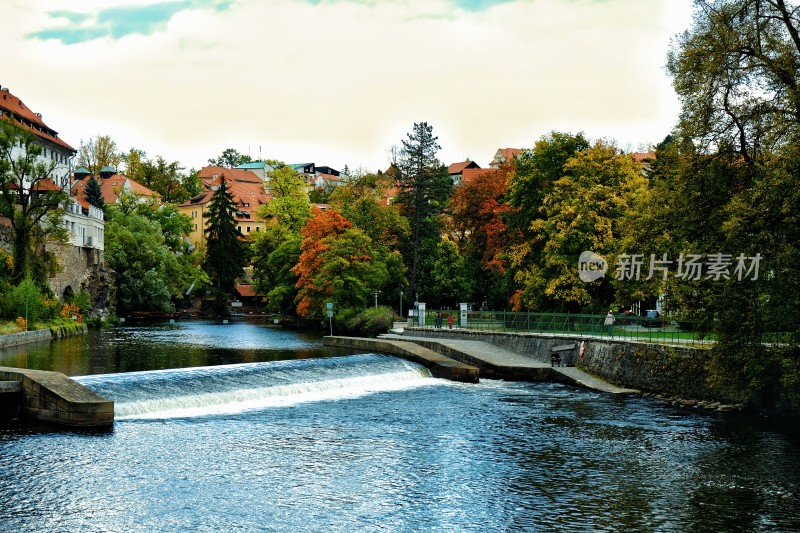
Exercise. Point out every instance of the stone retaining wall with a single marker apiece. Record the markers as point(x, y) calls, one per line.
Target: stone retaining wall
point(25, 337)
point(54, 398)
point(677, 371)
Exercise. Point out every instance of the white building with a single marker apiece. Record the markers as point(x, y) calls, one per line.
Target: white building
point(86, 226)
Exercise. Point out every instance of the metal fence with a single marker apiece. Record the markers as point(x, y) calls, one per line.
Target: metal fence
point(646, 329)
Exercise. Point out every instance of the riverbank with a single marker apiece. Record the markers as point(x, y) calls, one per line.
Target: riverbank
point(39, 335)
point(676, 374)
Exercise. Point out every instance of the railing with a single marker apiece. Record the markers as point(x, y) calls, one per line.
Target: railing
point(655, 330)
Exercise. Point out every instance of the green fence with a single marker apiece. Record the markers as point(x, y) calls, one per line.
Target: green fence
point(656, 330)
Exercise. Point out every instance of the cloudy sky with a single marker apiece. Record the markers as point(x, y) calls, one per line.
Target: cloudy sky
point(339, 82)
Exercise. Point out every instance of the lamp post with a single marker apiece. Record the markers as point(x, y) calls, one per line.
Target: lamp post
point(401, 301)
point(376, 298)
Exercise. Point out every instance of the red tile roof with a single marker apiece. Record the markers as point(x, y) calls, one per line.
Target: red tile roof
point(45, 184)
point(457, 168)
point(247, 192)
point(643, 157)
point(246, 291)
point(206, 174)
point(472, 174)
point(11, 105)
point(110, 187)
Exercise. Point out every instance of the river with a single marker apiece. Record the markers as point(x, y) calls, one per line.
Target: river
point(243, 427)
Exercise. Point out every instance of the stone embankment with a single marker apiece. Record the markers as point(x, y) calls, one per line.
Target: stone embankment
point(27, 337)
point(674, 373)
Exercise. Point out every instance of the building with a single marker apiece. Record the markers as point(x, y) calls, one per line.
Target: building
point(86, 227)
point(504, 155)
point(247, 191)
point(456, 169)
point(56, 152)
point(259, 168)
point(82, 262)
point(112, 185)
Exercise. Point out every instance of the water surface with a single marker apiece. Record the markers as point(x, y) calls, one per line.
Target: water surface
point(373, 443)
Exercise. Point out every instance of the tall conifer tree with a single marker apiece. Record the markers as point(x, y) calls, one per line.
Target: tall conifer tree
point(94, 194)
point(425, 189)
point(225, 256)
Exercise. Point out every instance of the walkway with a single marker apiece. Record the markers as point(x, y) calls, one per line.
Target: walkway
point(495, 362)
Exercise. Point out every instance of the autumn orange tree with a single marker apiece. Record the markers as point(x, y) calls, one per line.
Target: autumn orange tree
point(337, 264)
point(477, 224)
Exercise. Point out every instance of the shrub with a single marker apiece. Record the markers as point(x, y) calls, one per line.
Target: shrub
point(370, 322)
point(25, 300)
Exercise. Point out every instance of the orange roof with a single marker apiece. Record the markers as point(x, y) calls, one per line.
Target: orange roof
point(505, 154)
point(246, 291)
point(643, 157)
point(473, 174)
point(247, 195)
point(457, 168)
point(110, 187)
point(13, 106)
point(206, 174)
point(46, 184)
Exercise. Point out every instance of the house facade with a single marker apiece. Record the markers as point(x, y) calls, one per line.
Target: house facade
point(85, 227)
point(504, 155)
point(247, 191)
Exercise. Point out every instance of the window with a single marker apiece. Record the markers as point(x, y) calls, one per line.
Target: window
point(248, 229)
point(195, 227)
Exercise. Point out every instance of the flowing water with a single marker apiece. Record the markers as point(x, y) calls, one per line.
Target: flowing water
point(216, 432)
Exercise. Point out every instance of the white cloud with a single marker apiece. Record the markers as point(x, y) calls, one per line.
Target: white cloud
point(340, 82)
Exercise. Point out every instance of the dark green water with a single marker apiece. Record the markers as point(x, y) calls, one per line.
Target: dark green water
point(244, 441)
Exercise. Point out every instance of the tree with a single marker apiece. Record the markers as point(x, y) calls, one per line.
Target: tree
point(230, 158)
point(451, 278)
point(32, 193)
point(425, 188)
point(289, 203)
point(737, 72)
point(479, 227)
point(337, 264)
point(99, 152)
point(94, 194)
point(148, 274)
point(581, 212)
point(531, 179)
point(225, 253)
point(276, 251)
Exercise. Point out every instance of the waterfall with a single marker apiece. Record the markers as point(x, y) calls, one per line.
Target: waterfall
point(230, 389)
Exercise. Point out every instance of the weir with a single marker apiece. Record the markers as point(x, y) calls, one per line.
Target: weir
point(233, 389)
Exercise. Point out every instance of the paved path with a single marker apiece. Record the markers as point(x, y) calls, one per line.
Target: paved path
point(499, 363)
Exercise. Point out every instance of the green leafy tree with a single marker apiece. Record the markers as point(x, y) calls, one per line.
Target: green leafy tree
point(737, 72)
point(581, 212)
point(225, 252)
point(32, 193)
point(94, 194)
point(276, 251)
point(230, 158)
point(532, 178)
point(145, 269)
point(289, 204)
point(452, 282)
point(425, 189)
